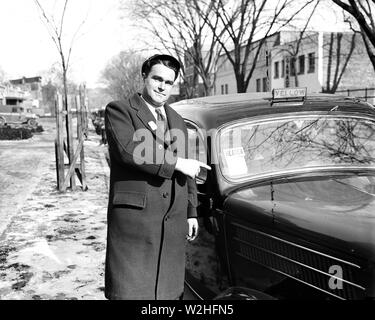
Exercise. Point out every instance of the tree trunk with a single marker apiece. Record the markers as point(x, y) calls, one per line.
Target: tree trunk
point(240, 81)
point(329, 65)
point(371, 54)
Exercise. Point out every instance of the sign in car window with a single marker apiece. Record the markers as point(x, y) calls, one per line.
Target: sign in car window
point(286, 144)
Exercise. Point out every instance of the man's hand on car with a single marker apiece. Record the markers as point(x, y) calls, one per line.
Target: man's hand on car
point(190, 167)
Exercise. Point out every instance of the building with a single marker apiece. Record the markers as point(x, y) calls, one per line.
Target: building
point(11, 96)
point(315, 61)
point(33, 86)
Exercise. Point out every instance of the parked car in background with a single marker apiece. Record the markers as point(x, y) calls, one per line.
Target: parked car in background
point(288, 209)
point(17, 114)
point(97, 119)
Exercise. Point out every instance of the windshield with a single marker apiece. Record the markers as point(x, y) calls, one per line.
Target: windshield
point(285, 144)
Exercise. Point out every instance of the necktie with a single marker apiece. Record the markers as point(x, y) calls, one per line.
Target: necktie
point(162, 124)
point(161, 120)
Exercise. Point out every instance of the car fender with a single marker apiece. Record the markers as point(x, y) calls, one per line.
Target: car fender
point(242, 293)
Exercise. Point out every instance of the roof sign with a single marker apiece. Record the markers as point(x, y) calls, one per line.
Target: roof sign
point(288, 96)
point(289, 93)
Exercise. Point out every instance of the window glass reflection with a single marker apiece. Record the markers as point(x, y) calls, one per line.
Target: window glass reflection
point(287, 144)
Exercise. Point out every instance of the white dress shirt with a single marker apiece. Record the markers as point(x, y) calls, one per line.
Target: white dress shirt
point(152, 109)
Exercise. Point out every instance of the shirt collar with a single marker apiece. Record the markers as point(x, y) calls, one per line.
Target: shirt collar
point(152, 109)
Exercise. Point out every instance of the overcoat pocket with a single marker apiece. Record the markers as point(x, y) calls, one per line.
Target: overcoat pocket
point(130, 198)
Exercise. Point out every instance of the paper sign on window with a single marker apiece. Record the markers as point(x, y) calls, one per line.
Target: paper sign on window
point(235, 163)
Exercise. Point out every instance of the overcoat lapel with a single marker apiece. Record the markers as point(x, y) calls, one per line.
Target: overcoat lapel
point(173, 123)
point(143, 113)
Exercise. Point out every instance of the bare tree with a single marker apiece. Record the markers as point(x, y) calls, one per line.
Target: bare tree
point(56, 31)
point(122, 76)
point(338, 59)
point(180, 30)
point(294, 47)
point(363, 12)
point(241, 23)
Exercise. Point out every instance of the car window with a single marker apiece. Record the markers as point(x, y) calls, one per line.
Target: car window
point(283, 144)
point(196, 148)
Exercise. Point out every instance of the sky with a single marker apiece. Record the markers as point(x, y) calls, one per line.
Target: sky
point(27, 49)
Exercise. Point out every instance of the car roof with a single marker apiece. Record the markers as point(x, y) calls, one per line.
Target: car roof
point(214, 111)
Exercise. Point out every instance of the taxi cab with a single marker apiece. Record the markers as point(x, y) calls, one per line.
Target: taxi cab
point(288, 209)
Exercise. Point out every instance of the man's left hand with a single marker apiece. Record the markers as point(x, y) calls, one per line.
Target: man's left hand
point(193, 229)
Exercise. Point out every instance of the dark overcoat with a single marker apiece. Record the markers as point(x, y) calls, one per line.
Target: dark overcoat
point(149, 203)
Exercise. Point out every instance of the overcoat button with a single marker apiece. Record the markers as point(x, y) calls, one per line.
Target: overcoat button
point(160, 147)
point(165, 194)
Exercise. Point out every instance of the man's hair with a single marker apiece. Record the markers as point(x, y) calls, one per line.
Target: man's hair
point(163, 59)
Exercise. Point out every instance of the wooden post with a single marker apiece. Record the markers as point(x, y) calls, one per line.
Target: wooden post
point(70, 146)
point(84, 109)
point(80, 118)
point(84, 133)
point(59, 143)
point(63, 146)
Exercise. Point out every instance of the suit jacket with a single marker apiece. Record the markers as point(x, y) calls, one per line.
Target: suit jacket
point(149, 203)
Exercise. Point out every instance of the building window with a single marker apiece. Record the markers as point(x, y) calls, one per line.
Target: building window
point(226, 89)
point(276, 70)
point(258, 86)
point(265, 87)
point(222, 89)
point(14, 109)
point(301, 64)
point(293, 66)
point(311, 63)
point(282, 68)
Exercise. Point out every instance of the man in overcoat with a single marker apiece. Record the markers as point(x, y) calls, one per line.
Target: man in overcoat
point(153, 196)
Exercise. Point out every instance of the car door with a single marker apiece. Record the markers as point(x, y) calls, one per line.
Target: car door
point(204, 272)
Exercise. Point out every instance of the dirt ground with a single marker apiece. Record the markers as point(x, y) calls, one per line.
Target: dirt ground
point(52, 244)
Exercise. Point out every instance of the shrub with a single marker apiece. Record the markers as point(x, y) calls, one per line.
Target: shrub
point(8, 133)
point(39, 128)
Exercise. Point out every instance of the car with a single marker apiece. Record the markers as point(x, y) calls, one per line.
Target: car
point(288, 209)
point(16, 114)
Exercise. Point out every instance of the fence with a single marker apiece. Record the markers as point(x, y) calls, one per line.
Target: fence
point(64, 144)
point(368, 94)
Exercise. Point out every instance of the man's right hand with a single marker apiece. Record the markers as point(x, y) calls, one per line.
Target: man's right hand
point(190, 167)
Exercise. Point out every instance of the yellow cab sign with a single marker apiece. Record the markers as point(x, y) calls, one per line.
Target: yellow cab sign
point(289, 94)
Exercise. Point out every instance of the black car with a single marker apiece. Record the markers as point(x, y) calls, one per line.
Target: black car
point(288, 209)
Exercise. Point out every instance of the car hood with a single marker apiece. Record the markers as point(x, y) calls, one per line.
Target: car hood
point(332, 211)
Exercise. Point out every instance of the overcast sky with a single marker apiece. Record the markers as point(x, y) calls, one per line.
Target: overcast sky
point(27, 50)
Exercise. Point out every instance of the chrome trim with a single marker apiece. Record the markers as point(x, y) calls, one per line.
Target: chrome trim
point(299, 263)
point(297, 245)
point(297, 279)
point(192, 289)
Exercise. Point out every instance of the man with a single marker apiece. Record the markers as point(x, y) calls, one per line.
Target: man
point(152, 200)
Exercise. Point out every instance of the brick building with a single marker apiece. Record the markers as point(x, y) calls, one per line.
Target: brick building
point(316, 61)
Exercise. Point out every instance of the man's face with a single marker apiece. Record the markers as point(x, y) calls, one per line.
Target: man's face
point(158, 85)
